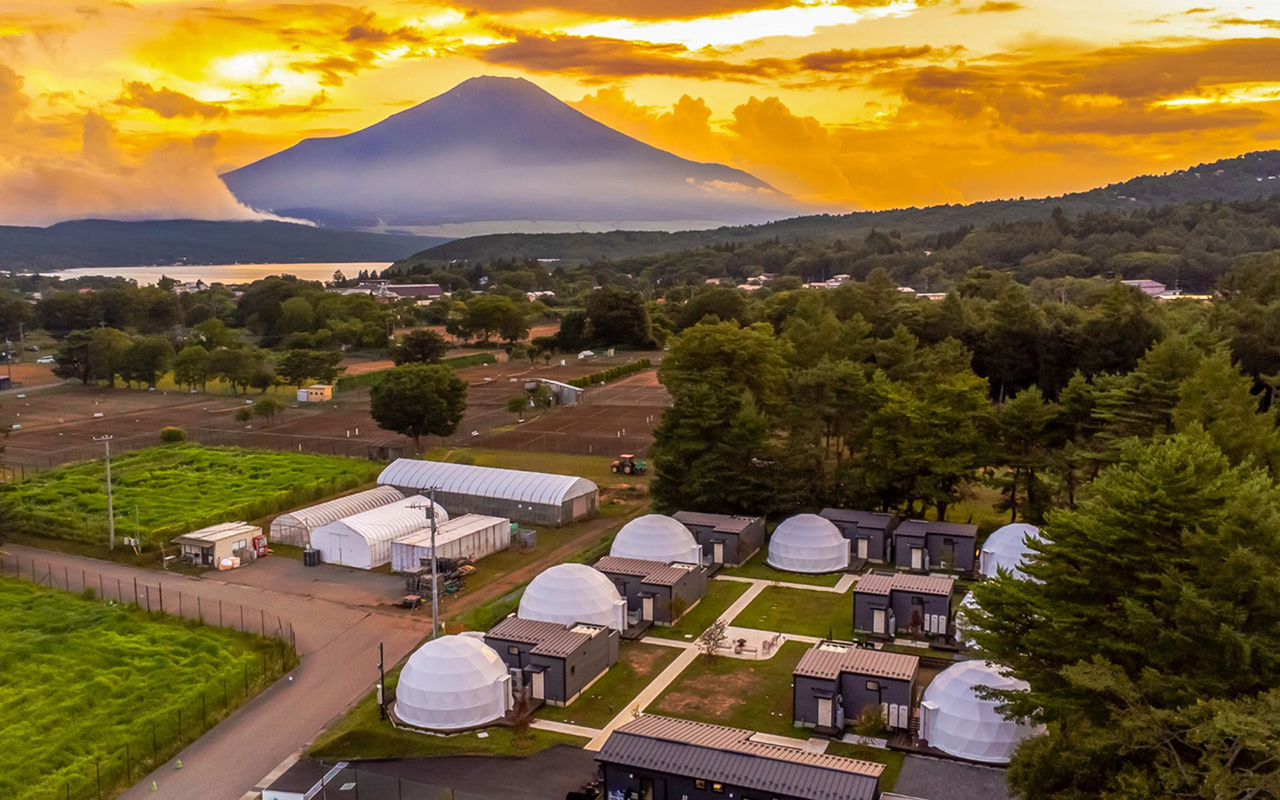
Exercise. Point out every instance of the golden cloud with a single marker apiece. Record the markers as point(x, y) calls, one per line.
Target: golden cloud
point(167, 102)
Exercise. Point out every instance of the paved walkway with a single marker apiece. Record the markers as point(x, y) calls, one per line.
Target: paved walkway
point(646, 696)
point(565, 727)
point(841, 586)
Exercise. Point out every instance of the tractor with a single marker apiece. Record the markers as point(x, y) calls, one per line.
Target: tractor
point(627, 464)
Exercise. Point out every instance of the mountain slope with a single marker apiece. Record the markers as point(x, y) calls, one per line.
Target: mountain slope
point(102, 243)
point(499, 150)
point(1245, 177)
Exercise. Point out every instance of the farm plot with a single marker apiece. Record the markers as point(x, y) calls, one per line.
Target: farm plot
point(167, 491)
point(85, 686)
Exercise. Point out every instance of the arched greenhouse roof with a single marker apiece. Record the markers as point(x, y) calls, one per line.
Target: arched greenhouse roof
point(503, 484)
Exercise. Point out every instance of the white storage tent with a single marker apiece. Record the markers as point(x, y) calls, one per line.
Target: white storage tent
point(808, 543)
point(453, 683)
point(571, 593)
point(295, 527)
point(954, 719)
point(529, 497)
point(364, 540)
point(655, 537)
point(1007, 548)
point(470, 536)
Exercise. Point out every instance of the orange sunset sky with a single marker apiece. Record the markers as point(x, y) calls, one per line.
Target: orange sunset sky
point(129, 109)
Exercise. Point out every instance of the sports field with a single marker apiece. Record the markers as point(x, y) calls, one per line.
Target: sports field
point(83, 684)
point(165, 491)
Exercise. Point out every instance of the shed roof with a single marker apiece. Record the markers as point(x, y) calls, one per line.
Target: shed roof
point(921, 527)
point(503, 484)
point(549, 638)
point(863, 519)
point(456, 528)
point(728, 755)
point(324, 513)
point(216, 533)
point(829, 659)
point(656, 572)
point(722, 523)
point(883, 583)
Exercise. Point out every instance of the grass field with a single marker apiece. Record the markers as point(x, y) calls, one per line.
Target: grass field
point(81, 680)
point(720, 595)
point(175, 489)
point(593, 468)
point(756, 568)
point(782, 608)
point(891, 759)
point(755, 695)
point(638, 664)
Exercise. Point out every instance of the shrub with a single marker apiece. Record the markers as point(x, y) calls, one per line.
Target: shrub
point(172, 435)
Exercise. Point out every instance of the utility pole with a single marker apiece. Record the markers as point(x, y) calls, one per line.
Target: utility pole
point(382, 686)
point(435, 588)
point(111, 514)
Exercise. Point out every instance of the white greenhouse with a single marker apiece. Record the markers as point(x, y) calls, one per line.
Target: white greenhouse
point(453, 683)
point(808, 543)
point(470, 536)
point(654, 537)
point(536, 498)
point(295, 527)
point(572, 593)
point(1008, 548)
point(364, 540)
point(955, 720)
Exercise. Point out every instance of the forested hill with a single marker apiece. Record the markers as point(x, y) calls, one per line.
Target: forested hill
point(1246, 177)
point(103, 243)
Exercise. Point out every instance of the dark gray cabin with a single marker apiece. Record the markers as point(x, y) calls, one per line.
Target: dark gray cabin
point(728, 540)
point(925, 546)
point(554, 662)
point(654, 590)
point(869, 533)
point(891, 604)
point(837, 682)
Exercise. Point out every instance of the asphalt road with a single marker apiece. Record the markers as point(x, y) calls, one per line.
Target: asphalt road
point(339, 647)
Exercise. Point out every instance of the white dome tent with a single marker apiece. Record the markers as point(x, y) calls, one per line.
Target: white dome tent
point(965, 624)
point(364, 540)
point(453, 683)
point(955, 720)
point(654, 537)
point(808, 543)
point(571, 593)
point(1007, 548)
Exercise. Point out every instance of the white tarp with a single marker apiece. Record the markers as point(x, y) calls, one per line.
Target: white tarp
point(570, 593)
point(808, 543)
point(957, 721)
point(364, 540)
point(452, 683)
point(655, 537)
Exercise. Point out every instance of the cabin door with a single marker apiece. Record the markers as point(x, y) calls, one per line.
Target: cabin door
point(878, 623)
point(917, 558)
point(717, 552)
point(862, 549)
point(646, 608)
point(825, 717)
point(539, 687)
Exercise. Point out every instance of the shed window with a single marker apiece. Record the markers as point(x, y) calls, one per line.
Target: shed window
point(239, 545)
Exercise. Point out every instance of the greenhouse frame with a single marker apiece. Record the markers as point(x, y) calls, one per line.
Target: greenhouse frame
point(536, 498)
point(364, 540)
point(296, 526)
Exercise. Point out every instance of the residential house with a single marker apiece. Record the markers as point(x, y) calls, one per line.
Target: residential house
point(887, 604)
point(837, 682)
point(729, 540)
point(553, 662)
point(656, 591)
point(924, 546)
point(869, 533)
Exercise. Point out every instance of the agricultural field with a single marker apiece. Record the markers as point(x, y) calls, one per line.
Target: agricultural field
point(80, 681)
point(166, 491)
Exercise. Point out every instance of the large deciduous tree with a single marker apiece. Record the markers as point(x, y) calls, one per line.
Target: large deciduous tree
point(419, 400)
point(422, 346)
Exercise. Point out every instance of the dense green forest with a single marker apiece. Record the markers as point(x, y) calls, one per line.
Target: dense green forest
point(1247, 177)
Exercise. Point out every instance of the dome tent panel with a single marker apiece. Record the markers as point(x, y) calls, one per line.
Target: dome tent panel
point(957, 721)
point(1008, 548)
point(810, 544)
point(655, 537)
point(571, 593)
point(453, 683)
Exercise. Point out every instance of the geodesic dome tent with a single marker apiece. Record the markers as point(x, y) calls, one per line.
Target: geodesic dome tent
point(1006, 548)
point(295, 527)
point(571, 593)
point(954, 719)
point(965, 621)
point(364, 540)
point(655, 537)
point(452, 683)
point(808, 543)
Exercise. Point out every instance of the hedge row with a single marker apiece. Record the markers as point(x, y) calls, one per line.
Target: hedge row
point(610, 374)
point(372, 378)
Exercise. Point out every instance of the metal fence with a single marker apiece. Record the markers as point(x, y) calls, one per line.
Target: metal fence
point(357, 782)
point(159, 734)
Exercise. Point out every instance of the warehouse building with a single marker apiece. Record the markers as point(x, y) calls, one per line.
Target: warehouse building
point(888, 604)
point(808, 543)
point(655, 591)
point(295, 527)
point(839, 682)
point(922, 545)
point(553, 662)
point(869, 533)
point(571, 593)
point(212, 545)
point(472, 536)
point(1008, 548)
point(364, 540)
point(453, 683)
point(728, 540)
point(535, 498)
point(660, 758)
point(656, 537)
point(957, 720)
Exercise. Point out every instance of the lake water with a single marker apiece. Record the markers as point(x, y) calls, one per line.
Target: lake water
point(225, 273)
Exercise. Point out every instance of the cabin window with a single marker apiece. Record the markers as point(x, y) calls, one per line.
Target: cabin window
point(699, 783)
point(873, 686)
point(718, 788)
point(513, 650)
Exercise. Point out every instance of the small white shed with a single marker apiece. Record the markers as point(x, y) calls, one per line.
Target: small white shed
point(471, 536)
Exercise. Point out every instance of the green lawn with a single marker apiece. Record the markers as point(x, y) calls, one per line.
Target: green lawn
point(175, 489)
point(720, 595)
point(755, 695)
point(802, 612)
point(638, 664)
point(80, 681)
point(891, 759)
point(360, 734)
point(756, 568)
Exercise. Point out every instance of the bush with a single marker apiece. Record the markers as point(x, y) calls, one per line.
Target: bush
point(610, 374)
point(172, 435)
point(373, 378)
